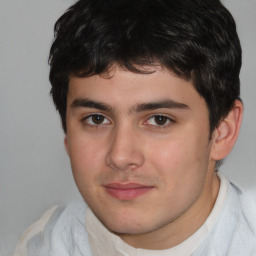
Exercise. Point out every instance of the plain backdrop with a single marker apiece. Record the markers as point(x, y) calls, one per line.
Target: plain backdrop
point(34, 168)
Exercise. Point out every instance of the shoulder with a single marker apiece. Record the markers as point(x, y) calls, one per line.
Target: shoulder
point(240, 207)
point(36, 228)
point(247, 199)
point(234, 232)
point(243, 212)
point(54, 232)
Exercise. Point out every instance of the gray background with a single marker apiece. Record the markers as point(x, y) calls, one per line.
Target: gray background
point(34, 169)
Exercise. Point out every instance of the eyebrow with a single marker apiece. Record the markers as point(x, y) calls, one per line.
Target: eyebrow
point(160, 104)
point(171, 104)
point(86, 103)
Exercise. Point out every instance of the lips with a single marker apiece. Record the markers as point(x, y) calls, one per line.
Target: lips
point(127, 191)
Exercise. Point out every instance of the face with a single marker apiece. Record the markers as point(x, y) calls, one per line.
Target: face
point(139, 149)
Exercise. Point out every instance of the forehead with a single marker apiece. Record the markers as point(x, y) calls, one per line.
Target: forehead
point(122, 87)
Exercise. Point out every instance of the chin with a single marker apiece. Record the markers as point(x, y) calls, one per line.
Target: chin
point(122, 226)
point(130, 226)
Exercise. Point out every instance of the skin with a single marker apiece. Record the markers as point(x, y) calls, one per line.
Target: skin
point(175, 159)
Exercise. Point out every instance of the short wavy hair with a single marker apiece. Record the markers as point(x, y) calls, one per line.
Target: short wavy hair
point(195, 39)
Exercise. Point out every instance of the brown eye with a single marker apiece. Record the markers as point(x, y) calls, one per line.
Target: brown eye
point(160, 120)
point(98, 119)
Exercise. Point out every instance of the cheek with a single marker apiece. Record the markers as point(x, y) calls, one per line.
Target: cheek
point(182, 165)
point(85, 158)
point(180, 157)
point(170, 155)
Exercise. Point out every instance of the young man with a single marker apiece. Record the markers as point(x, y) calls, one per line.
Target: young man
point(148, 94)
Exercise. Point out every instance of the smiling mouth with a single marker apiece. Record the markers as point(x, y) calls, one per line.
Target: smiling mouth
point(126, 191)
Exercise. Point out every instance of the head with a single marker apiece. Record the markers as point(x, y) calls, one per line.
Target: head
point(147, 93)
point(196, 40)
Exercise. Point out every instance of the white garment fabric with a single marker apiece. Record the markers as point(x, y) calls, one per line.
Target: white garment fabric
point(230, 230)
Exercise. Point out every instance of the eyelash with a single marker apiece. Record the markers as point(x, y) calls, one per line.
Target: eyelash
point(85, 120)
point(169, 121)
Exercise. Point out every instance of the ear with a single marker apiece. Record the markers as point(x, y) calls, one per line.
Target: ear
point(226, 134)
point(66, 144)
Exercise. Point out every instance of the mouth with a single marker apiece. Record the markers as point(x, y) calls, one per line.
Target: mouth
point(126, 191)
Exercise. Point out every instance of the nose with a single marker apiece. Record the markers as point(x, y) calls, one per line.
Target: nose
point(125, 151)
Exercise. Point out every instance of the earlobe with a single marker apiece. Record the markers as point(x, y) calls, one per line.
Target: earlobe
point(226, 134)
